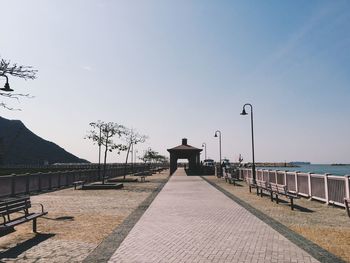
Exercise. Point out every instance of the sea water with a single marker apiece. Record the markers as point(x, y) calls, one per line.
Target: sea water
point(315, 168)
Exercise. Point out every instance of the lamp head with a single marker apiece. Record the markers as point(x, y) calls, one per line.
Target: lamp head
point(216, 135)
point(244, 112)
point(6, 87)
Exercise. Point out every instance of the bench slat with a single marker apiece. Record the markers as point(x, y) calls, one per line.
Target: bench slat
point(11, 206)
point(9, 201)
point(14, 205)
point(13, 210)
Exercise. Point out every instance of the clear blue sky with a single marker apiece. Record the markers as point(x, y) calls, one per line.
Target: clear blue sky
point(174, 69)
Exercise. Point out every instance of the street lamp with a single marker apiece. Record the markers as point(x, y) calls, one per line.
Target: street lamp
point(205, 150)
point(7, 85)
point(252, 127)
point(216, 135)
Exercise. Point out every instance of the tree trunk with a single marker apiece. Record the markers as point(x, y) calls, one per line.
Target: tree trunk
point(126, 160)
point(104, 163)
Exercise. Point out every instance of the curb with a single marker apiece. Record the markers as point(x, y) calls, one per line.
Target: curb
point(311, 248)
point(104, 251)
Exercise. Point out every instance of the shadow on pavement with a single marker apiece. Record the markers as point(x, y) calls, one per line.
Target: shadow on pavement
point(20, 248)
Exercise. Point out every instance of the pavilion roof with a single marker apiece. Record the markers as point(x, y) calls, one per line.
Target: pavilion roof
point(184, 147)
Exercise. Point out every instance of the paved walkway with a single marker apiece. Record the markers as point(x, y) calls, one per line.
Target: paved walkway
point(191, 221)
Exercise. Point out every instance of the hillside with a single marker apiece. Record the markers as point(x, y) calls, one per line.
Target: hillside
point(18, 145)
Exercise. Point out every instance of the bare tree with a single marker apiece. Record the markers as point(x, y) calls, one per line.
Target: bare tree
point(95, 135)
point(108, 131)
point(12, 69)
point(132, 138)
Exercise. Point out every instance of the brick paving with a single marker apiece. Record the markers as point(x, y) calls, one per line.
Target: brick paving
point(191, 221)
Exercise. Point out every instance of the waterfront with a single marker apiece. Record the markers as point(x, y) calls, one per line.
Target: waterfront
point(315, 168)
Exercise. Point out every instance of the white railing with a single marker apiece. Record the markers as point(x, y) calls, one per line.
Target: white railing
point(331, 189)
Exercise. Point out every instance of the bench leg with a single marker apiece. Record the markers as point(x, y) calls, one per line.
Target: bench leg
point(347, 207)
point(250, 189)
point(271, 196)
point(277, 199)
point(34, 225)
point(291, 204)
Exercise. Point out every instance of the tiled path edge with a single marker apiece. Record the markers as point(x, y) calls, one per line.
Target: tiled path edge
point(110, 244)
point(311, 248)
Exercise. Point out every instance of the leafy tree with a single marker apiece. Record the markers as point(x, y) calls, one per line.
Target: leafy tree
point(153, 156)
point(12, 69)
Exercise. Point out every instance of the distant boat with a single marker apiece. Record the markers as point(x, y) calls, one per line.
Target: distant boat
point(339, 164)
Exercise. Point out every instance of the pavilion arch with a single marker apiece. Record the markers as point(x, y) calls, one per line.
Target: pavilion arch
point(184, 151)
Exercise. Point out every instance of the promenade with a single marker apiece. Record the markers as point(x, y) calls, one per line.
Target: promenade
point(191, 221)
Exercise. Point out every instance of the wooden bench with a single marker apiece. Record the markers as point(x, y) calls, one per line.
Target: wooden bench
point(11, 206)
point(233, 180)
point(347, 205)
point(143, 175)
point(278, 189)
point(157, 170)
point(76, 183)
point(250, 184)
point(262, 186)
point(230, 179)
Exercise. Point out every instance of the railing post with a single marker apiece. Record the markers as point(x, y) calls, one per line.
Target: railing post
point(50, 180)
point(296, 183)
point(13, 184)
point(285, 177)
point(326, 187)
point(276, 176)
point(347, 186)
point(59, 179)
point(309, 184)
point(67, 176)
point(39, 181)
point(27, 182)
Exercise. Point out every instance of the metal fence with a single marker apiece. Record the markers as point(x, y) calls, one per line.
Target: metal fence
point(328, 188)
point(17, 184)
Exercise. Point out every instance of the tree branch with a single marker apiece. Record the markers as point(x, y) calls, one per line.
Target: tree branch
point(24, 72)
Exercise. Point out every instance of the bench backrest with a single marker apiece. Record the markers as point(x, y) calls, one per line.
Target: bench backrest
point(279, 188)
point(262, 184)
point(249, 180)
point(10, 206)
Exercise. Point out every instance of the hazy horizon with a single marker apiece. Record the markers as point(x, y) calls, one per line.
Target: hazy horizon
point(184, 69)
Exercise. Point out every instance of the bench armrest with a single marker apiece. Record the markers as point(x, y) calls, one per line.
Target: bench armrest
point(41, 205)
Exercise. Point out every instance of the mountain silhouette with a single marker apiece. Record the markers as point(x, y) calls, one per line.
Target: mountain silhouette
point(18, 145)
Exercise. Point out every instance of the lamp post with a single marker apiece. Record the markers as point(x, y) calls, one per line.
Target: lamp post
point(7, 85)
point(135, 157)
point(216, 135)
point(252, 128)
point(132, 157)
point(99, 154)
point(205, 150)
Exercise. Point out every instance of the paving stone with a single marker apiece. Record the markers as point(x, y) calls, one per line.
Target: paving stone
point(191, 221)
